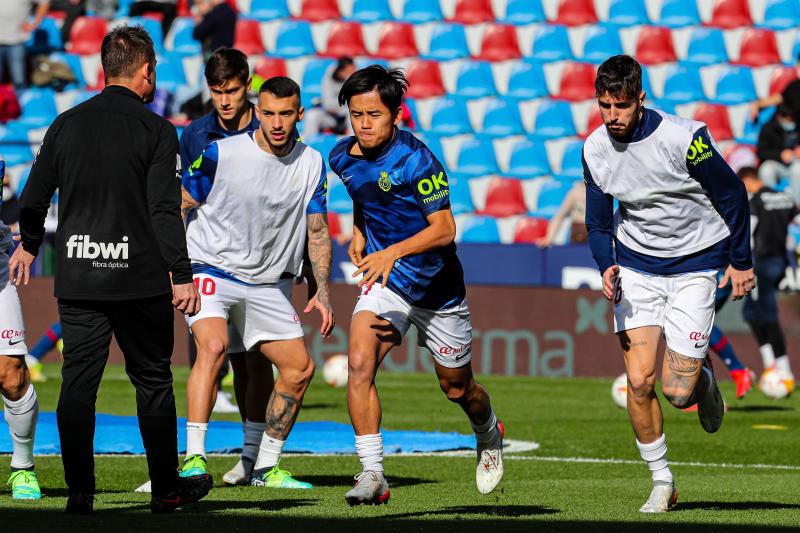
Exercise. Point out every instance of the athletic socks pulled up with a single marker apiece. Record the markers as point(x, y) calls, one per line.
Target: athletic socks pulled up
point(655, 455)
point(196, 438)
point(720, 344)
point(21, 416)
point(269, 452)
point(252, 439)
point(370, 452)
point(488, 432)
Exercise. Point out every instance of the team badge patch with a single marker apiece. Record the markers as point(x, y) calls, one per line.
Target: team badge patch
point(384, 182)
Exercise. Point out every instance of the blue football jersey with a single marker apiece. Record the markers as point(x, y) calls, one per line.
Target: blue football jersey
point(396, 191)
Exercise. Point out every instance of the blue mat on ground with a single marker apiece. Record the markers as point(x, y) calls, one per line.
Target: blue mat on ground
point(120, 434)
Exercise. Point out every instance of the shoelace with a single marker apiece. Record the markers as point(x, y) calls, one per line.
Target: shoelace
point(25, 474)
point(362, 475)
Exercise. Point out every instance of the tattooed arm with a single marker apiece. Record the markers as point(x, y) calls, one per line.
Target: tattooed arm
point(319, 253)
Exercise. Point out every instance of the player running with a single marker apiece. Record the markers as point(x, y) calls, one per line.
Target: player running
point(19, 396)
point(255, 197)
point(682, 216)
point(403, 245)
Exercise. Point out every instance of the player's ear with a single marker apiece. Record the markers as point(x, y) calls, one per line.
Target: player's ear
point(248, 85)
point(300, 112)
point(642, 97)
point(398, 116)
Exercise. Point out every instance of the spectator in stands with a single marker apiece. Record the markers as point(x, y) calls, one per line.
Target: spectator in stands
point(106, 9)
point(779, 152)
point(215, 25)
point(72, 9)
point(167, 8)
point(574, 207)
point(14, 31)
point(789, 96)
point(329, 115)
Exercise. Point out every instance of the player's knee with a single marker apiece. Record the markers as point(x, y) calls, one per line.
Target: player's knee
point(211, 349)
point(360, 366)
point(455, 391)
point(678, 397)
point(641, 384)
point(12, 378)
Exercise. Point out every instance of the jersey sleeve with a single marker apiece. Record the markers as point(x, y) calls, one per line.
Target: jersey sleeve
point(319, 201)
point(599, 221)
point(428, 181)
point(199, 177)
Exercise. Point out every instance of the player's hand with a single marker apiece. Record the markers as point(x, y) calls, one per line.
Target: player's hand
point(608, 281)
point(19, 266)
point(186, 299)
point(321, 301)
point(356, 248)
point(743, 281)
point(375, 265)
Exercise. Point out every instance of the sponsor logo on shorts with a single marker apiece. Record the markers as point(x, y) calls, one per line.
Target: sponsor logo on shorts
point(14, 343)
point(8, 334)
point(699, 336)
point(459, 352)
point(295, 318)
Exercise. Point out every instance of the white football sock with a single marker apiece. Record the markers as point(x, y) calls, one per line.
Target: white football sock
point(252, 438)
point(370, 452)
point(21, 416)
point(782, 364)
point(655, 454)
point(767, 355)
point(269, 453)
point(196, 438)
point(488, 432)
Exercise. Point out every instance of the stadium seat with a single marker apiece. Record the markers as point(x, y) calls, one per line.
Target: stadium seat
point(460, 196)
point(716, 118)
point(521, 12)
point(572, 162)
point(750, 130)
point(780, 78)
point(576, 12)
point(264, 10)
point(366, 11)
point(504, 198)
point(759, 48)
point(601, 42)
point(319, 10)
point(530, 230)
point(551, 43)
point(422, 11)
point(169, 72)
point(345, 39)
point(679, 14)
point(529, 159)
point(526, 80)
point(577, 82)
point(334, 224)
point(628, 12)
point(706, 47)
point(654, 45)
point(322, 143)
point(473, 11)
point(448, 41)
point(479, 230)
point(152, 27)
point(16, 146)
point(735, 85)
point(294, 39)
point(475, 80)
point(682, 84)
point(38, 107)
point(594, 121)
point(501, 118)
point(313, 74)
point(554, 119)
point(424, 79)
point(499, 43)
point(180, 38)
point(268, 67)
point(476, 157)
point(729, 14)
point(396, 41)
point(551, 196)
point(46, 36)
point(782, 14)
point(450, 117)
point(248, 37)
point(86, 35)
point(339, 200)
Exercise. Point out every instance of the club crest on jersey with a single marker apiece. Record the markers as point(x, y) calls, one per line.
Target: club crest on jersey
point(384, 182)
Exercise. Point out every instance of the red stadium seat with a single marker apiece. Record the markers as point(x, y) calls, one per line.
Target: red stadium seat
point(424, 79)
point(499, 43)
point(473, 11)
point(396, 41)
point(504, 198)
point(654, 46)
point(716, 118)
point(731, 14)
point(269, 67)
point(334, 224)
point(530, 230)
point(759, 47)
point(248, 37)
point(345, 39)
point(86, 35)
point(319, 10)
point(101, 81)
point(576, 12)
point(595, 121)
point(184, 10)
point(781, 77)
point(577, 82)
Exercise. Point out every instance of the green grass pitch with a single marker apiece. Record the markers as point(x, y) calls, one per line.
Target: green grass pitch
point(542, 490)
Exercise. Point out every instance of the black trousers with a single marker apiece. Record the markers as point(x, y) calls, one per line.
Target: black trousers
point(143, 329)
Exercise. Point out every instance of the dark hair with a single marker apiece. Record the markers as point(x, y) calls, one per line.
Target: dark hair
point(125, 49)
point(390, 84)
point(280, 86)
point(226, 64)
point(747, 172)
point(784, 110)
point(619, 76)
point(340, 64)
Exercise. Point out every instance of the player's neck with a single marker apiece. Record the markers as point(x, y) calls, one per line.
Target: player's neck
point(372, 153)
point(238, 122)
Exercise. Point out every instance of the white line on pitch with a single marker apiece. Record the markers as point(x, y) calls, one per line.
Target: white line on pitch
point(594, 460)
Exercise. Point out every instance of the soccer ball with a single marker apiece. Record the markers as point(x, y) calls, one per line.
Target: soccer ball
point(619, 391)
point(776, 384)
point(334, 371)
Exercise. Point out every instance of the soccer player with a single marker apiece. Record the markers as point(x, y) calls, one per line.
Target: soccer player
point(682, 216)
point(19, 396)
point(403, 246)
point(255, 197)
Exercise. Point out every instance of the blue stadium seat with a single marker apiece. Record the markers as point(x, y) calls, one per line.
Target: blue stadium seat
point(551, 43)
point(322, 143)
point(521, 12)
point(679, 13)
point(782, 14)
point(81, 96)
point(182, 40)
point(476, 157)
point(124, 7)
point(706, 46)
point(529, 159)
point(153, 27)
point(752, 129)
point(366, 11)
point(501, 118)
point(646, 81)
point(526, 80)
point(628, 12)
point(554, 119)
point(294, 39)
point(475, 80)
point(735, 85)
point(38, 107)
point(480, 229)
point(14, 144)
point(448, 41)
point(450, 116)
point(460, 195)
point(47, 34)
point(571, 162)
point(23, 179)
point(339, 200)
point(314, 73)
point(422, 11)
point(551, 196)
point(682, 84)
point(169, 72)
point(264, 10)
point(602, 41)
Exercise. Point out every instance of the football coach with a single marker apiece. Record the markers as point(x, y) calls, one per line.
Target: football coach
point(121, 263)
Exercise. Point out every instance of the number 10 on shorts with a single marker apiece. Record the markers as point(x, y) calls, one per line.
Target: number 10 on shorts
point(206, 286)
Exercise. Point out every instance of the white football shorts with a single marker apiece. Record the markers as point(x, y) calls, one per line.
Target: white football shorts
point(681, 304)
point(447, 333)
point(259, 313)
point(12, 326)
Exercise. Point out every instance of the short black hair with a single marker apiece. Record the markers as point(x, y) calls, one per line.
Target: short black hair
point(280, 86)
point(390, 84)
point(619, 76)
point(226, 64)
point(747, 172)
point(125, 49)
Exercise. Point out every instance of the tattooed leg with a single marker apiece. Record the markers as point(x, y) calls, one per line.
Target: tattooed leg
point(682, 378)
